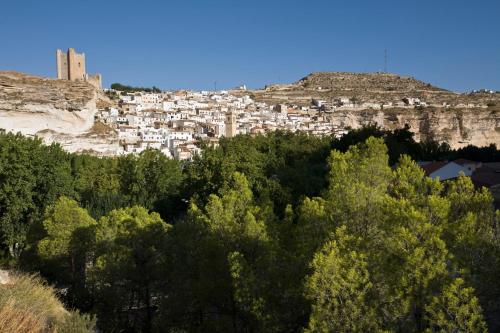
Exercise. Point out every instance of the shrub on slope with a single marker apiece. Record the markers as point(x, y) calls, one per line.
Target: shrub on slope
point(29, 305)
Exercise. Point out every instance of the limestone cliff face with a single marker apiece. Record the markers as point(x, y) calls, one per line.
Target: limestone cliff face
point(458, 127)
point(55, 110)
point(95, 141)
point(30, 104)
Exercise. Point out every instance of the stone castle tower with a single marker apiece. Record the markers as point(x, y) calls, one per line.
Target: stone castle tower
point(71, 66)
point(230, 123)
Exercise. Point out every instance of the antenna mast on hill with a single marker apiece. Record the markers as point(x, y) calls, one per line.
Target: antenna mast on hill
point(385, 61)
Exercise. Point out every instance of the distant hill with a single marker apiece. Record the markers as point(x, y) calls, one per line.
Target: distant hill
point(384, 82)
point(467, 118)
point(366, 87)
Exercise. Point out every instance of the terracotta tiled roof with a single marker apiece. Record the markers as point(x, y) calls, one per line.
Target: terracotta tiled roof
point(486, 176)
point(433, 166)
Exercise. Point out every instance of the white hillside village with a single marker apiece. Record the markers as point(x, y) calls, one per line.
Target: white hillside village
point(176, 122)
point(180, 123)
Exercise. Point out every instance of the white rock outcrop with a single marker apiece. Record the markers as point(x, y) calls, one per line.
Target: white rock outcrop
point(30, 104)
point(54, 110)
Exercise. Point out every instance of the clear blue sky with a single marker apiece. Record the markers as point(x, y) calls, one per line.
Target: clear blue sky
point(190, 44)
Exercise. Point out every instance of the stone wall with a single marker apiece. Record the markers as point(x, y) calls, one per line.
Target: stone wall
point(94, 80)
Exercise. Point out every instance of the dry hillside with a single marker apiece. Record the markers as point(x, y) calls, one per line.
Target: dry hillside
point(366, 87)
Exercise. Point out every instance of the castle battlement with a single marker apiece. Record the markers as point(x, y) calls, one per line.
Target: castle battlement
point(71, 66)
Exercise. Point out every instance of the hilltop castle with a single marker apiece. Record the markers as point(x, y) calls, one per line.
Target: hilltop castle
point(71, 66)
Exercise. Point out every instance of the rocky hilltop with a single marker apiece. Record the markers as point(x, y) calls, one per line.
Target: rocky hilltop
point(459, 119)
point(55, 110)
point(368, 88)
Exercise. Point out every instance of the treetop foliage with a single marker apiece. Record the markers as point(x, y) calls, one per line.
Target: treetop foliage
point(277, 233)
point(130, 89)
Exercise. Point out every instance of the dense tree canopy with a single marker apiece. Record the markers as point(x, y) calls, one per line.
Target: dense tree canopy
point(277, 233)
point(130, 89)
